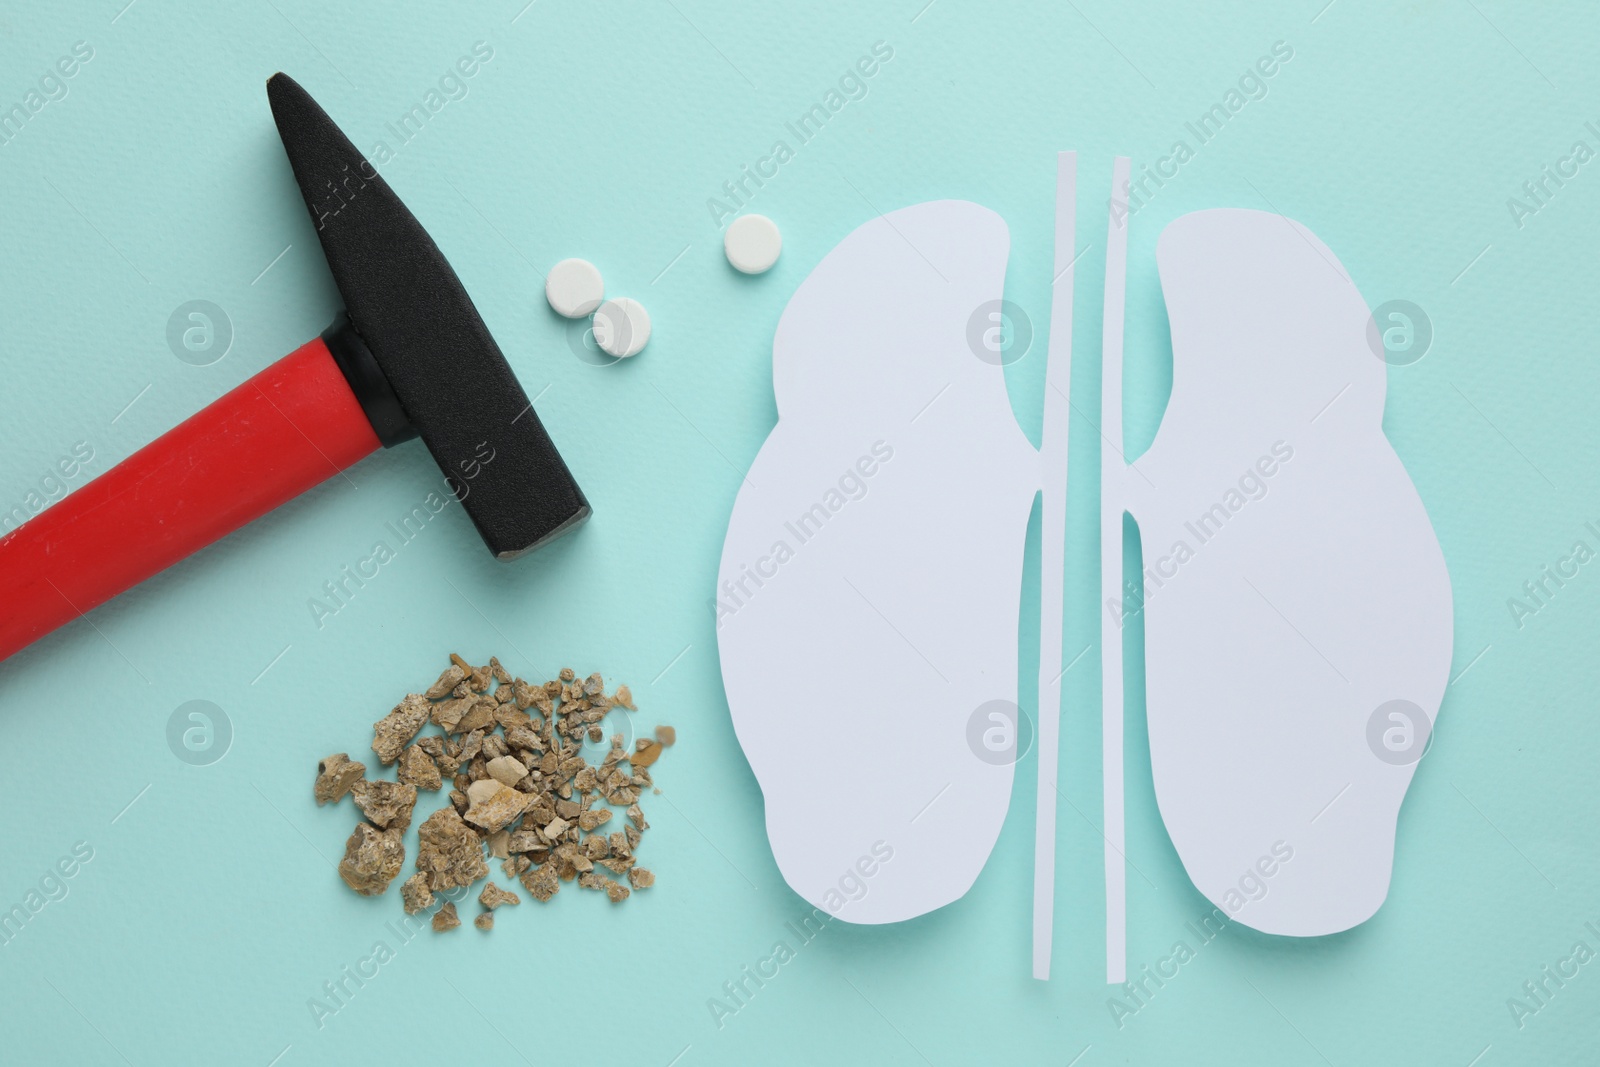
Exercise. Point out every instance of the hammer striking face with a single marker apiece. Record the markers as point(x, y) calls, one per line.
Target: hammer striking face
point(410, 357)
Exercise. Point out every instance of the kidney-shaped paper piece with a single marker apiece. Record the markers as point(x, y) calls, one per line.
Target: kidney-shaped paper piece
point(870, 581)
point(1298, 614)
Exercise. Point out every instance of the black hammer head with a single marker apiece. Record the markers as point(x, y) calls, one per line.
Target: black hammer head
point(419, 357)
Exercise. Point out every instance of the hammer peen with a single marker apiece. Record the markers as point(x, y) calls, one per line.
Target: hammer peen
point(409, 357)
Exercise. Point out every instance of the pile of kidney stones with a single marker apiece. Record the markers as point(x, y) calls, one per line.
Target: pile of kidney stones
point(521, 789)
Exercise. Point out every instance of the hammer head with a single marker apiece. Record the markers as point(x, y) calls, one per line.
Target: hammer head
point(442, 376)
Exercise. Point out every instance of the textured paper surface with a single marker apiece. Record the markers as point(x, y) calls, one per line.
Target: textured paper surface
point(871, 576)
point(1297, 587)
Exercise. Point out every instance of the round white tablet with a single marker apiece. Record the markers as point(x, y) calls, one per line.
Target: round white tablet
point(574, 288)
point(752, 243)
point(621, 326)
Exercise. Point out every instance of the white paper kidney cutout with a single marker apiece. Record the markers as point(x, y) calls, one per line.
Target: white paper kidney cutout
point(1297, 608)
point(870, 581)
point(1294, 585)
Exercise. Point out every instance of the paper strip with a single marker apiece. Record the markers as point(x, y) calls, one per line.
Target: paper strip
point(1112, 471)
point(1052, 558)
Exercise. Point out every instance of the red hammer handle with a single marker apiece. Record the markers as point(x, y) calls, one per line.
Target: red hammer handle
point(290, 427)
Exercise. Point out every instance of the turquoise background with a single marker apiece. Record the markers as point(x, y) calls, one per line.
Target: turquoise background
point(209, 914)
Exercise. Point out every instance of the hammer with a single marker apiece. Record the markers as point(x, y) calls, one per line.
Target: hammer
point(409, 357)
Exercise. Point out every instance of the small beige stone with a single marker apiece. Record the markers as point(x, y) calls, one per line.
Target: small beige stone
point(493, 896)
point(524, 736)
point(447, 681)
point(641, 878)
point(666, 735)
point(555, 828)
point(508, 715)
point(335, 776)
point(484, 921)
point(494, 804)
point(479, 716)
point(498, 842)
point(447, 715)
point(415, 894)
point(542, 883)
point(385, 804)
point(449, 851)
point(418, 769)
point(615, 890)
point(371, 859)
point(507, 770)
point(395, 730)
point(524, 841)
point(445, 919)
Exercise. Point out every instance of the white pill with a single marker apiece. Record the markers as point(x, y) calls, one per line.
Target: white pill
point(752, 243)
point(574, 288)
point(621, 326)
